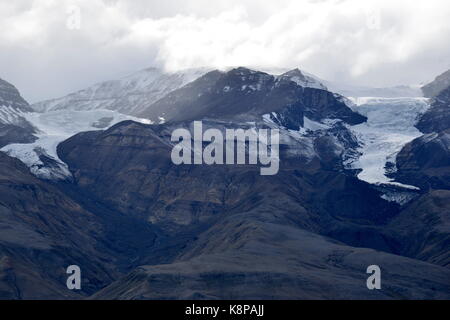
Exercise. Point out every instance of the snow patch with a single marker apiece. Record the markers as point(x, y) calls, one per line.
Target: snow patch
point(314, 125)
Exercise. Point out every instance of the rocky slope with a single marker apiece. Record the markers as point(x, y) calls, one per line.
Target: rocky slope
point(435, 87)
point(11, 98)
point(13, 126)
point(421, 228)
point(262, 260)
point(47, 227)
point(303, 79)
point(266, 234)
point(242, 93)
point(437, 118)
point(43, 231)
point(425, 161)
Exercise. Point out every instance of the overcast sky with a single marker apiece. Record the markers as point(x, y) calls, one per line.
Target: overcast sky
point(47, 52)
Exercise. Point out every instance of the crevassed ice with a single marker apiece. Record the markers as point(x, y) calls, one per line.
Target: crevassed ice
point(389, 127)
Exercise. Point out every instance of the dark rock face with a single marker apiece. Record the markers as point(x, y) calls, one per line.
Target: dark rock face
point(244, 93)
point(302, 79)
point(437, 118)
point(43, 232)
point(285, 236)
point(425, 162)
point(10, 133)
point(269, 261)
point(45, 228)
point(291, 117)
point(10, 97)
point(13, 127)
point(421, 229)
point(439, 84)
point(133, 167)
point(422, 226)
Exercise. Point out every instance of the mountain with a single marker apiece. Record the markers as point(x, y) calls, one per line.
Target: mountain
point(52, 128)
point(426, 220)
point(437, 118)
point(85, 110)
point(142, 227)
point(246, 259)
point(285, 236)
point(303, 79)
point(246, 227)
point(127, 95)
point(425, 161)
point(13, 126)
point(11, 98)
point(43, 231)
point(245, 93)
point(46, 227)
point(435, 87)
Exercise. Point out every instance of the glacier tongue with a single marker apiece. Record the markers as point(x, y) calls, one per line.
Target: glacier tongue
point(55, 127)
point(389, 127)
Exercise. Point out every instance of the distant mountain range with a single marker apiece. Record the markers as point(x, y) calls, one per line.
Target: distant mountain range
point(133, 94)
point(128, 95)
point(362, 181)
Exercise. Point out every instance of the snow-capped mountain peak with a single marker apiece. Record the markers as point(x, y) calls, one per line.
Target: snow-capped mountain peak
point(10, 97)
point(303, 79)
point(128, 95)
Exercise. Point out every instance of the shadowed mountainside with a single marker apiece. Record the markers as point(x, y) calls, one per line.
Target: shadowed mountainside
point(13, 127)
point(242, 93)
point(246, 227)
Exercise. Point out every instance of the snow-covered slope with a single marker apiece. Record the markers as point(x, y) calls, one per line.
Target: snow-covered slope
point(54, 127)
point(12, 105)
point(10, 115)
point(389, 127)
point(439, 84)
point(129, 95)
point(13, 126)
point(303, 79)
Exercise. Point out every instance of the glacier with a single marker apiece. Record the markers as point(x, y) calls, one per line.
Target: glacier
point(389, 127)
point(54, 127)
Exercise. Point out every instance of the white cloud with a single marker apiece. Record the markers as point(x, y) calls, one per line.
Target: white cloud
point(380, 42)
